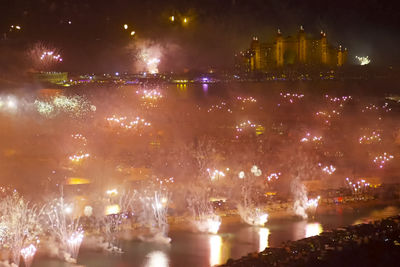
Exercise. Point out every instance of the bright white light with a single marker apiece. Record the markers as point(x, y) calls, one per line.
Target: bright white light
point(313, 229)
point(263, 234)
point(68, 209)
point(112, 192)
point(241, 175)
point(208, 223)
point(157, 259)
point(125, 26)
point(363, 60)
point(88, 211)
point(113, 209)
point(28, 253)
point(215, 250)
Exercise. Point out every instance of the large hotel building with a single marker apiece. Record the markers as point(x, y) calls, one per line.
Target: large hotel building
point(296, 50)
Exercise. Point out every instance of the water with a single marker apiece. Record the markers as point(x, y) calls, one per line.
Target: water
point(234, 240)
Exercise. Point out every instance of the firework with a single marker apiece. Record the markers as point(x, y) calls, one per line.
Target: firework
point(329, 169)
point(64, 228)
point(204, 217)
point(216, 174)
point(302, 204)
point(382, 159)
point(338, 99)
point(80, 137)
point(75, 106)
point(19, 223)
point(118, 206)
point(150, 94)
point(249, 99)
point(124, 123)
point(208, 223)
point(358, 187)
point(221, 106)
point(252, 215)
point(27, 254)
point(363, 60)
point(246, 125)
point(274, 175)
point(74, 242)
point(373, 138)
point(154, 214)
point(44, 57)
point(291, 98)
point(312, 203)
point(373, 107)
point(309, 138)
point(79, 157)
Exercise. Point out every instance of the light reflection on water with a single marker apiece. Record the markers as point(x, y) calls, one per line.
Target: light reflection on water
point(263, 235)
point(233, 241)
point(313, 229)
point(305, 229)
point(215, 250)
point(157, 259)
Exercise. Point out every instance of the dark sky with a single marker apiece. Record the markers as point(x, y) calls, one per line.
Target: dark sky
point(95, 40)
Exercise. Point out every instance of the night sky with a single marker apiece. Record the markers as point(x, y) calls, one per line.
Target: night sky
point(95, 40)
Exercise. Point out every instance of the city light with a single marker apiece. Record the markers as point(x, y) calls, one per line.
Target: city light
point(125, 26)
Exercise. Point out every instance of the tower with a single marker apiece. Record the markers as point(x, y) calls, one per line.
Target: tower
point(279, 49)
point(302, 47)
point(324, 49)
point(341, 56)
point(256, 49)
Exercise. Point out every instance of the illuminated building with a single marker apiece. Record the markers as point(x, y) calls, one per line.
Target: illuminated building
point(51, 77)
point(299, 50)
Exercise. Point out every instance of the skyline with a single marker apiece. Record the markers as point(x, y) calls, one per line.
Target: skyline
point(91, 36)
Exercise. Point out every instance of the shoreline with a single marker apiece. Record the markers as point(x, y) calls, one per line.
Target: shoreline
point(182, 223)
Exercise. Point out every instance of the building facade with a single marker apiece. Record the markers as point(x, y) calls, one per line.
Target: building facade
point(299, 50)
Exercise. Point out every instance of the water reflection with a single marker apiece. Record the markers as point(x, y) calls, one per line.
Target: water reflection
point(313, 229)
point(263, 235)
point(157, 259)
point(205, 87)
point(215, 250)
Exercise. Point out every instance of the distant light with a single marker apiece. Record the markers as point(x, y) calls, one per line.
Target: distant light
point(125, 26)
point(12, 103)
point(185, 20)
point(172, 18)
point(18, 27)
point(112, 192)
point(69, 22)
point(363, 60)
point(133, 33)
point(117, 73)
point(77, 181)
point(112, 209)
point(68, 209)
point(88, 211)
